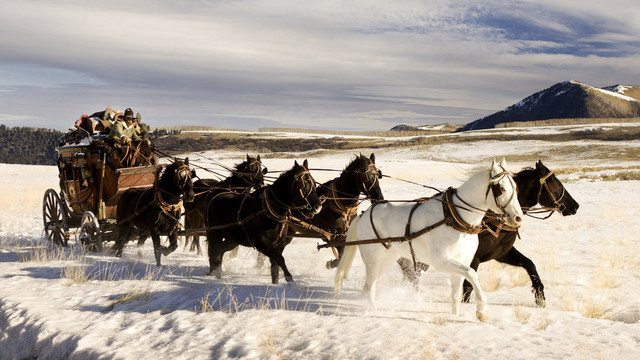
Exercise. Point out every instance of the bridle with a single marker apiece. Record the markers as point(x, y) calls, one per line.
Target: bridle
point(544, 185)
point(298, 186)
point(362, 175)
point(249, 176)
point(298, 180)
point(496, 189)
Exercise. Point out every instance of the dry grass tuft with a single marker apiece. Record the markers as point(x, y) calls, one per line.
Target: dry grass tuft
point(75, 274)
point(591, 305)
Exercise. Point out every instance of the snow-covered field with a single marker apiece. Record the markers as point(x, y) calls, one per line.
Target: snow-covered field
point(65, 304)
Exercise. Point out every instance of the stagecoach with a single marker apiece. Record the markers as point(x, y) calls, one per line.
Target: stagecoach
point(90, 188)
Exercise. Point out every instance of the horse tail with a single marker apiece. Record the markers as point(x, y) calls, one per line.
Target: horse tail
point(347, 257)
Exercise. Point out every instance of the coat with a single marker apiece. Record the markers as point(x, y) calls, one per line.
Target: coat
point(120, 130)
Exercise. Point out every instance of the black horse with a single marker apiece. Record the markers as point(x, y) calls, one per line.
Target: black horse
point(155, 211)
point(535, 186)
point(342, 194)
point(247, 176)
point(260, 219)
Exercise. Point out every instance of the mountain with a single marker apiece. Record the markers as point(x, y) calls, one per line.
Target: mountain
point(567, 100)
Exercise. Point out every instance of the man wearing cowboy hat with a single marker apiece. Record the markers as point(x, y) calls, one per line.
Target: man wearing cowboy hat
point(124, 131)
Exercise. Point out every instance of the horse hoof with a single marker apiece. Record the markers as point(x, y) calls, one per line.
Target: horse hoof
point(482, 316)
point(332, 264)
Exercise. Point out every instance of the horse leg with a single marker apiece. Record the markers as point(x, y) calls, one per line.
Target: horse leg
point(376, 259)
point(124, 233)
point(215, 251)
point(466, 286)
point(195, 244)
point(157, 248)
point(516, 258)
point(142, 238)
point(277, 263)
point(456, 293)
point(455, 267)
point(173, 244)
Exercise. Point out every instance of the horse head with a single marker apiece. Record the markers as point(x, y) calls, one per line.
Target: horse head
point(504, 192)
point(368, 176)
point(252, 172)
point(181, 176)
point(303, 190)
point(552, 193)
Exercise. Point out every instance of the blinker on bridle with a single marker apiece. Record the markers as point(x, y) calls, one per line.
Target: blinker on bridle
point(494, 186)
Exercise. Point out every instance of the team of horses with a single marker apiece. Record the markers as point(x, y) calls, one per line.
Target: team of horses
point(453, 231)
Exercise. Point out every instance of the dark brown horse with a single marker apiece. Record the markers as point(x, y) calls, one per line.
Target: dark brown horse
point(343, 196)
point(246, 177)
point(155, 211)
point(260, 219)
point(536, 185)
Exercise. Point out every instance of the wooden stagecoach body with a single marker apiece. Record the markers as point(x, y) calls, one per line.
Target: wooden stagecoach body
point(89, 192)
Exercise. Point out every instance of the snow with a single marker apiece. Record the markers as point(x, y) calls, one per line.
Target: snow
point(129, 309)
point(616, 94)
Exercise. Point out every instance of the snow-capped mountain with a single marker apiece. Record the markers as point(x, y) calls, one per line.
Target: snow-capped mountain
point(567, 100)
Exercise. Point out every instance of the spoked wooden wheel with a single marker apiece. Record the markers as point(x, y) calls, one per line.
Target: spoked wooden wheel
point(55, 219)
point(90, 236)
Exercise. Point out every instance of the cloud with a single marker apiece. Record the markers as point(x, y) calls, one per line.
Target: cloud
point(339, 63)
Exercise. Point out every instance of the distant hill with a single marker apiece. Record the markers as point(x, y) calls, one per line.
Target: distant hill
point(437, 128)
point(567, 100)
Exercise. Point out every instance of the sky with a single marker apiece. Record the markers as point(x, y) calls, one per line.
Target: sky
point(344, 65)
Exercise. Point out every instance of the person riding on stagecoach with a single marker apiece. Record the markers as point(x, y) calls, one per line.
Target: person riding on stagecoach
point(130, 148)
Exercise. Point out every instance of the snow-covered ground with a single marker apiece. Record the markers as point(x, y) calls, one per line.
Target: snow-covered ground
point(65, 304)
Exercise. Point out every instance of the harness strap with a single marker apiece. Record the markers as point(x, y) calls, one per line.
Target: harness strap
point(452, 217)
point(373, 226)
point(346, 211)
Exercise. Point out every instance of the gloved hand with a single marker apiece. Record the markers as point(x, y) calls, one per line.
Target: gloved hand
point(126, 140)
point(148, 142)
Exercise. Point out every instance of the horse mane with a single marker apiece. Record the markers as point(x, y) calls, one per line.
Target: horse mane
point(469, 173)
point(165, 169)
point(356, 163)
point(237, 166)
point(524, 172)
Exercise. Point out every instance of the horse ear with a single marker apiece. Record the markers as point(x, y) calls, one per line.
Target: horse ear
point(542, 170)
point(305, 164)
point(295, 163)
point(258, 158)
point(503, 163)
point(372, 158)
point(494, 167)
point(248, 159)
point(186, 161)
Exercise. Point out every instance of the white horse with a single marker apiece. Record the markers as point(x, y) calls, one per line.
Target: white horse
point(441, 232)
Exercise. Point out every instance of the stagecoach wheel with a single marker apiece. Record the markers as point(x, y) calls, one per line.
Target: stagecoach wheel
point(90, 236)
point(55, 219)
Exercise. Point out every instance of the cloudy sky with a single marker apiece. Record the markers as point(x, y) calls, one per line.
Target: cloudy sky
point(351, 64)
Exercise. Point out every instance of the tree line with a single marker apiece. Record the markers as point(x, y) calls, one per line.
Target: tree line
point(25, 145)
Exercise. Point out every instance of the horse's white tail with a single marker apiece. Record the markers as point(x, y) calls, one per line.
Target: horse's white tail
point(347, 257)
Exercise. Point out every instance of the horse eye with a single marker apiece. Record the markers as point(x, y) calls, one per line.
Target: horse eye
point(503, 189)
